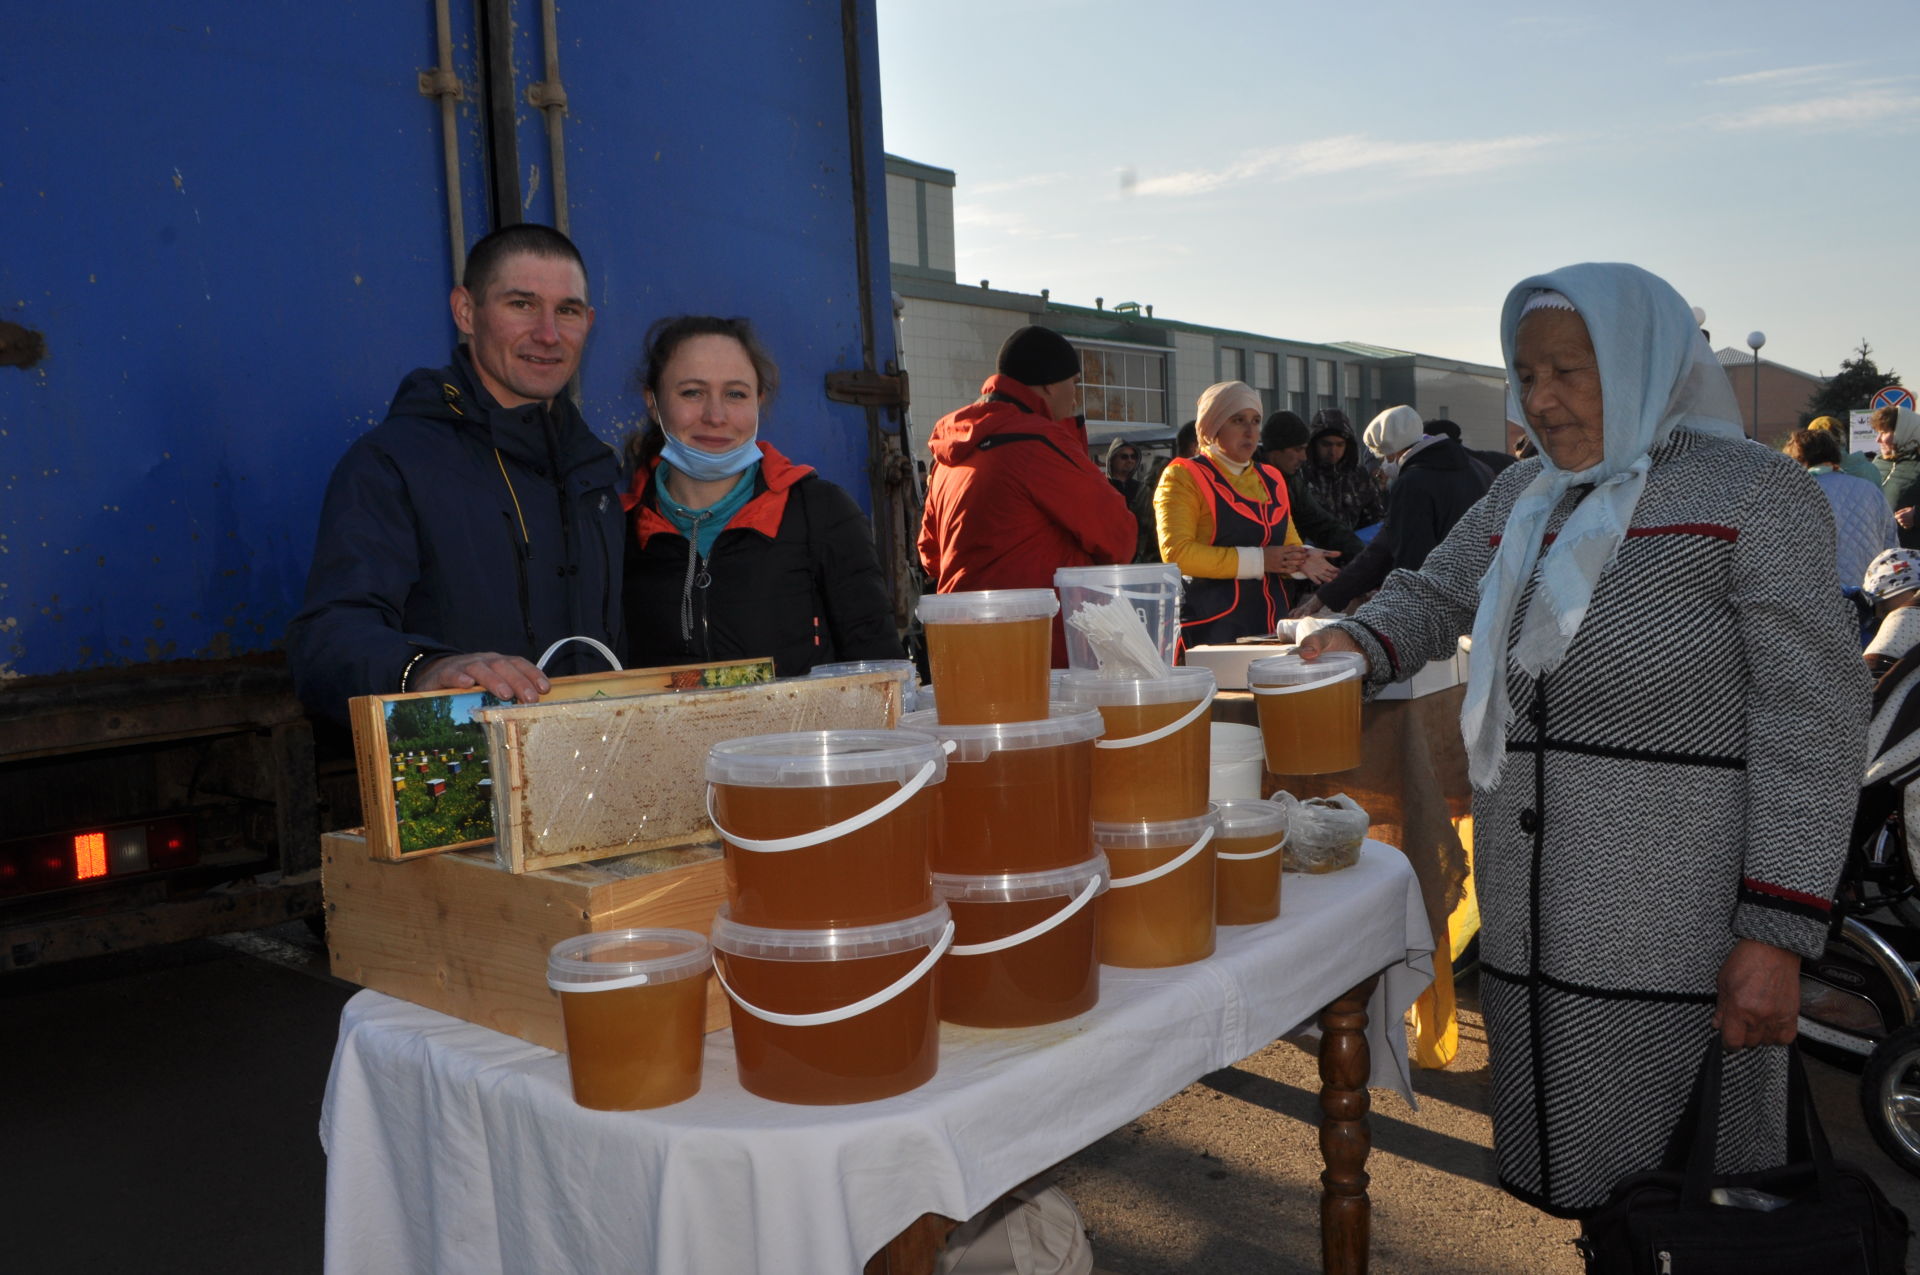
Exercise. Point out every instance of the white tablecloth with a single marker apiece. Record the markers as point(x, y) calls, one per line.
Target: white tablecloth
point(453, 1148)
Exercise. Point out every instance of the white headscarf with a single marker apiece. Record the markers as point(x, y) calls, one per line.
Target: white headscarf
point(1657, 375)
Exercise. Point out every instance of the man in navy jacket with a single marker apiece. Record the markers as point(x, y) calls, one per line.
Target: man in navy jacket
point(480, 522)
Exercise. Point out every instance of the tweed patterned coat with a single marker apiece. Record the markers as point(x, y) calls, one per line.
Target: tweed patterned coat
point(1666, 791)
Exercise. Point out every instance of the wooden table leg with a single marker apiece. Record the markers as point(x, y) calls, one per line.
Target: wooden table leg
point(913, 1251)
point(1345, 1211)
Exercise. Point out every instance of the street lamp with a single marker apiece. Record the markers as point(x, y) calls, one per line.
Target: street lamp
point(1754, 341)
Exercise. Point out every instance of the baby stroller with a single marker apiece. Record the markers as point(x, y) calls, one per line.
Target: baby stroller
point(1860, 999)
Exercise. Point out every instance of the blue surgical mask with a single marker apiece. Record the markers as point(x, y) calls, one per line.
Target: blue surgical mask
point(707, 467)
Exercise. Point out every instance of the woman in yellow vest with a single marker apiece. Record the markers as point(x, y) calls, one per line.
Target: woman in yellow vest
point(1224, 521)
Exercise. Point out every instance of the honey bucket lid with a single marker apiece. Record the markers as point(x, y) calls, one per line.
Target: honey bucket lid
point(1183, 684)
point(1249, 816)
point(825, 759)
point(611, 959)
point(1014, 887)
point(980, 606)
point(903, 669)
point(1152, 834)
point(1065, 723)
point(841, 943)
point(1290, 669)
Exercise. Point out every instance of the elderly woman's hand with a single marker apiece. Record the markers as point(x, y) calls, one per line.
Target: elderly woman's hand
point(1759, 988)
point(1321, 640)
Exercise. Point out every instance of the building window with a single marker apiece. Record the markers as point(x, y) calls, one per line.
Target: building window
point(1297, 385)
point(1233, 364)
point(1373, 384)
point(1323, 384)
point(1123, 387)
point(1266, 376)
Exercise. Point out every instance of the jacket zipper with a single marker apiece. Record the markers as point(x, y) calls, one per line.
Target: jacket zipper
point(520, 561)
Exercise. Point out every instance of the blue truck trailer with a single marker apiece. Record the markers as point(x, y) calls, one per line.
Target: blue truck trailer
point(227, 229)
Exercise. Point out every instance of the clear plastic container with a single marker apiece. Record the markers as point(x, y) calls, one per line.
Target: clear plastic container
point(1236, 761)
point(827, 828)
point(1247, 853)
point(1152, 761)
point(988, 650)
point(1042, 962)
point(902, 671)
point(1017, 796)
point(1151, 589)
point(830, 1016)
point(1309, 711)
point(634, 1004)
point(1159, 907)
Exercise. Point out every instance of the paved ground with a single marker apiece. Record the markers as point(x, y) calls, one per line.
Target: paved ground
point(159, 1114)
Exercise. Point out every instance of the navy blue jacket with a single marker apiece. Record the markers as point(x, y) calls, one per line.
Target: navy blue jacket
point(459, 525)
point(1439, 482)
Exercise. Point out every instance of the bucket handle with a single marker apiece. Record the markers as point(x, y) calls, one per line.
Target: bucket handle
point(595, 643)
point(1154, 736)
point(833, 831)
point(1255, 854)
point(1154, 874)
point(1032, 931)
point(1297, 687)
point(822, 1017)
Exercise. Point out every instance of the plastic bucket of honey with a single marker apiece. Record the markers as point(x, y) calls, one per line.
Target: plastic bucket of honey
point(1150, 590)
point(1024, 949)
point(1159, 905)
point(988, 652)
point(822, 1017)
point(1151, 763)
point(826, 828)
point(1309, 711)
point(1247, 860)
point(634, 1003)
point(1017, 795)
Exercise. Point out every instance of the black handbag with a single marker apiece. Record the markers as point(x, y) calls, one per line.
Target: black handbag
point(1811, 1215)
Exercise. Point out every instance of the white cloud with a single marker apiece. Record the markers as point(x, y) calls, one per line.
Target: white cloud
point(1350, 153)
point(1816, 73)
point(1841, 111)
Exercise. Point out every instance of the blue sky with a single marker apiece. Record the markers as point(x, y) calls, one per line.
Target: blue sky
point(1385, 172)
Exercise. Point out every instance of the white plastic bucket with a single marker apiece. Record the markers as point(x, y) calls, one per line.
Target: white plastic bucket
point(1236, 761)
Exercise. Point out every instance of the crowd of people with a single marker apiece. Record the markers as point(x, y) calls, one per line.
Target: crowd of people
point(1656, 605)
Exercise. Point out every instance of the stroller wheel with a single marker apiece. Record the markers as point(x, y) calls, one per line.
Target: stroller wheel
point(1890, 1097)
point(1858, 992)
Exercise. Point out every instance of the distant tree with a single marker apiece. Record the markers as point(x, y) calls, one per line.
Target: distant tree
point(1851, 388)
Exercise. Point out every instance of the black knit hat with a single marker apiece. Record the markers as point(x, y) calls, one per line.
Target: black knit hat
point(1038, 356)
point(1283, 430)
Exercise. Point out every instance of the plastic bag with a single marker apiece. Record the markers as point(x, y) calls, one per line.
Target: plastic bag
point(1323, 833)
point(1029, 1231)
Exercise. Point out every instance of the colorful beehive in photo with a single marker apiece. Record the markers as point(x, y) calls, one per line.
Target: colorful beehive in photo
point(436, 785)
point(453, 767)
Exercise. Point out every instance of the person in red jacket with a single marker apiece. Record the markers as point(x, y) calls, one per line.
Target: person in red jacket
point(1014, 495)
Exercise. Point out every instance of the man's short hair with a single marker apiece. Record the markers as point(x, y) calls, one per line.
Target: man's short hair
point(1444, 426)
point(1186, 441)
point(1814, 447)
point(487, 256)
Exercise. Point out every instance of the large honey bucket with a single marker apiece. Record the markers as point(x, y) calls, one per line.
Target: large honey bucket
point(1152, 761)
point(1017, 795)
point(822, 1017)
point(826, 828)
point(1024, 949)
point(1159, 906)
point(988, 652)
point(1309, 711)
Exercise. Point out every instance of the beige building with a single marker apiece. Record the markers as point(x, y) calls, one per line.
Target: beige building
point(1783, 393)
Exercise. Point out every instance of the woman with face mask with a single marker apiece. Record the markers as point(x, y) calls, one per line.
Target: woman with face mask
point(738, 552)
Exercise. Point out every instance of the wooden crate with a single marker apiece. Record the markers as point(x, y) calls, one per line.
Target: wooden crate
point(458, 933)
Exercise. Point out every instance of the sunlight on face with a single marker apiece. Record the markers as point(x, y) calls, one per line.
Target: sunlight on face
point(1559, 385)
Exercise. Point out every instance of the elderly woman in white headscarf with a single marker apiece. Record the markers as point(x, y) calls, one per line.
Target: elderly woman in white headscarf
point(1653, 663)
point(1227, 524)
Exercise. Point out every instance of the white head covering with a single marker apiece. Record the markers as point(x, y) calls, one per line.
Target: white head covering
point(1220, 401)
point(1657, 375)
point(1892, 572)
point(1906, 433)
point(1394, 430)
